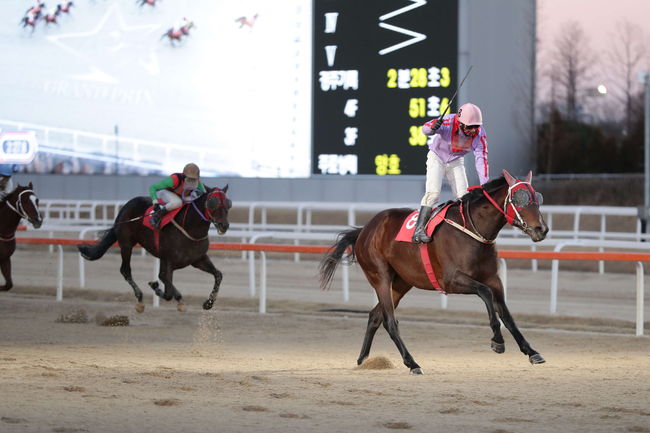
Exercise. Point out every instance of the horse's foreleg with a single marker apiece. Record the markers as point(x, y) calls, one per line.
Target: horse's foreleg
point(5, 266)
point(166, 276)
point(206, 265)
point(125, 270)
point(464, 284)
point(499, 302)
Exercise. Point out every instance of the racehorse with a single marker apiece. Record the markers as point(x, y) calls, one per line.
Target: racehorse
point(21, 203)
point(462, 255)
point(51, 15)
point(146, 2)
point(64, 7)
point(245, 21)
point(182, 243)
point(177, 32)
point(30, 19)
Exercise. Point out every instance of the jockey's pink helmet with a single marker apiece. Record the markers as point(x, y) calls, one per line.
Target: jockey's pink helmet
point(470, 114)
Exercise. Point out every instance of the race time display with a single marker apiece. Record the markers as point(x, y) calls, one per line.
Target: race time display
point(381, 69)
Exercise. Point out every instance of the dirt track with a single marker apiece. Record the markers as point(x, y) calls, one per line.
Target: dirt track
point(231, 370)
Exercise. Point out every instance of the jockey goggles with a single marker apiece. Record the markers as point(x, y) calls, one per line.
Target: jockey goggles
point(469, 130)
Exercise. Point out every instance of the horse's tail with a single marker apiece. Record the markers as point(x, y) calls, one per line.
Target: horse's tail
point(333, 257)
point(108, 238)
point(96, 251)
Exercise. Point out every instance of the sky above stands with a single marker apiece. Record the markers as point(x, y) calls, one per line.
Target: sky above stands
point(598, 19)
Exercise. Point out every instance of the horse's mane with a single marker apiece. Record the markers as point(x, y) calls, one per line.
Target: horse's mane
point(490, 187)
point(4, 199)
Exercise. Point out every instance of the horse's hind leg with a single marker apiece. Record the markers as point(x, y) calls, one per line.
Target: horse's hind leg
point(125, 270)
point(205, 264)
point(5, 266)
point(499, 302)
point(375, 318)
point(464, 284)
point(381, 279)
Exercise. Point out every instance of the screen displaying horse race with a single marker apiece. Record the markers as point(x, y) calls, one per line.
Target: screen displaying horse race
point(249, 88)
point(135, 86)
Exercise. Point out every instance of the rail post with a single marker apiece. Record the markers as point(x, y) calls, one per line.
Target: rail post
point(639, 299)
point(262, 308)
point(503, 275)
point(59, 285)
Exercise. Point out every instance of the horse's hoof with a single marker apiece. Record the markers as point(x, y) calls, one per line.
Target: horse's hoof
point(139, 307)
point(417, 370)
point(180, 307)
point(499, 347)
point(536, 359)
point(154, 285)
point(208, 304)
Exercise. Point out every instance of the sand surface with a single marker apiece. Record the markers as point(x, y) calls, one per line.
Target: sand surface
point(294, 370)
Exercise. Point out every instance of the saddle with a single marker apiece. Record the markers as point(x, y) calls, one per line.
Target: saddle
point(405, 233)
point(166, 219)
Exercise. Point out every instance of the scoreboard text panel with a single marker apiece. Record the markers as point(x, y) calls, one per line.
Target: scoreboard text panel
point(381, 69)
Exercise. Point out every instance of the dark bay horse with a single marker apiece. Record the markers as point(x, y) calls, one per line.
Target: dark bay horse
point(463, 257)
point(182, 243)
point(21, 203)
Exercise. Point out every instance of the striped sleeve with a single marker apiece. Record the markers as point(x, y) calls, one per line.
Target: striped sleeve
point(481, 158)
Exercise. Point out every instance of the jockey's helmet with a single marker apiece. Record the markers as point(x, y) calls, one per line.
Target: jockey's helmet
point(192, 174)
point(470, 119)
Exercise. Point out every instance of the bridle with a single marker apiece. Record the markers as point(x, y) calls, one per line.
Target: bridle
point(18, 208)
point(223, 202)
point(511, 213)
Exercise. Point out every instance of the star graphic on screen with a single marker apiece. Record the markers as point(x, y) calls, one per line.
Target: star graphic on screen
point(111, 47)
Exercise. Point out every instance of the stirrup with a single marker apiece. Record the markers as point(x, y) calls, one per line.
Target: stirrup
point(420, 237)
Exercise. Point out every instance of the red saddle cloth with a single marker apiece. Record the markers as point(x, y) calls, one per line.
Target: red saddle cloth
point(406, 235)
point(165, 219)
point(408, 227)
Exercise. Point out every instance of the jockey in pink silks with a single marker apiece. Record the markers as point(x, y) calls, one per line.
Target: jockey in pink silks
point(454, 135)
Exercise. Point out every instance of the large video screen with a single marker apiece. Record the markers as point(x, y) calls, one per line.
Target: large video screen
point(145, 86)
point(381, 69)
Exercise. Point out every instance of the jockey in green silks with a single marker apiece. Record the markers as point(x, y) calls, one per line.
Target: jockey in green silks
point(171, 189)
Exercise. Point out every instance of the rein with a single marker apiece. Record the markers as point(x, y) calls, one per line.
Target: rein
point(518, 222)
point(474, 234)
point(187, 235)
point(201, 215)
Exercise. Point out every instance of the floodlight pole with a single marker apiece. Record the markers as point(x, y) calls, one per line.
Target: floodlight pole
point(644, 78)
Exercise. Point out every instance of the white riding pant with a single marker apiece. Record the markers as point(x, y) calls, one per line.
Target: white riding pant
point(454, 171)
point(172, 201)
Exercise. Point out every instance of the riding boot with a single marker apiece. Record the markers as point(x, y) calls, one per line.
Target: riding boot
point(420, 234)
point(157, 217)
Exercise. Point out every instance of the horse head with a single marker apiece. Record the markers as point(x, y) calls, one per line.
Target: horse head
point(25, 204)
point(521, 207)
point(217, 205)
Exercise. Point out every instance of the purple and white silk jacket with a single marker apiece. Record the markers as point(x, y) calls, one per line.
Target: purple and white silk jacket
point(449, 143)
